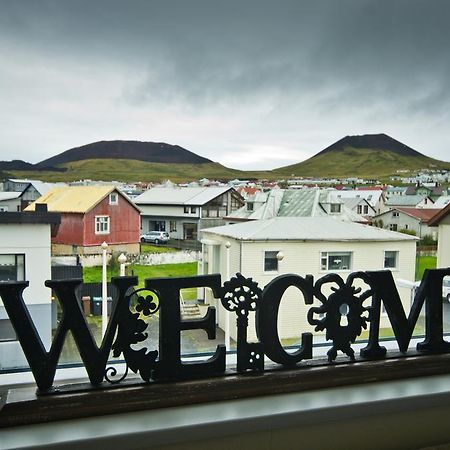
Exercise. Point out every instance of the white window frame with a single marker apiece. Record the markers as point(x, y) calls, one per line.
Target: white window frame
point(19, 265)
point(265, 252)
point(114, 198)
point(102, 225)
point(396, 259)
point(338, 206)
point(324, 261)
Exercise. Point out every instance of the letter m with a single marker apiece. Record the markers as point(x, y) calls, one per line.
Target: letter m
point(428, 293)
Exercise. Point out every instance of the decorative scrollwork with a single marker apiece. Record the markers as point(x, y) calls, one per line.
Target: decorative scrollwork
point(112, 371)
point(240, 295)
point(341, 313)
point(132, 330)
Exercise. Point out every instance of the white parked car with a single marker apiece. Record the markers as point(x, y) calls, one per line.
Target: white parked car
point(155, 237)
point(446, 289)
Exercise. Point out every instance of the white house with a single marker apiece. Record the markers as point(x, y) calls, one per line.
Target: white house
point(442, 220)
point(264, 249)
point(25, 255)
point(10, 201)
point(183, 211)
point(374, 197)
point(411, 219)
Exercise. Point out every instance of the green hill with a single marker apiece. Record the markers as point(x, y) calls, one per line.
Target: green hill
point(367, 156)
point(133, 170)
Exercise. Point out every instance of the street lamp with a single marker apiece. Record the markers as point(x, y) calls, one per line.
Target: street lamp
point(122, 260)
point(104, 290)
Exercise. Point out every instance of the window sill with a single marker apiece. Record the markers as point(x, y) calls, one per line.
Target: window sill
point(341, 407)
point(21, 406)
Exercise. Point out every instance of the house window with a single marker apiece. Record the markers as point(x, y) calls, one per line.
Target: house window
point(366, 209)
point(186, 209)
point(3, 209)
point(359, 209)
point(12, 267)
point(395, 214)
point(113, 198)
point(250, 206)
point(390, 259)
point(101, 224)
point(393, 226)
point(270, 261)
point(335, 208)
point(159, 225)
point(173, 226)
point(193, 209)
point(336, 260)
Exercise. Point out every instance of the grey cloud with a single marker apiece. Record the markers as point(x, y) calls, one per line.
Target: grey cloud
point(358, 59)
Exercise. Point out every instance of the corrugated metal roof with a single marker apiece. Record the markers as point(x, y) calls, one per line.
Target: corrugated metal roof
point(73, 199)
point(423, 214)
point(180, 195)
point(9, 195)
point(308, 229)
point(405, 200)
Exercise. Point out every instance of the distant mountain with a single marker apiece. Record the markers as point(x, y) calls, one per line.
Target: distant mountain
point(126, 161)
point(156, 152)
point(371, 141)
point(367, 156)
point(16, 164)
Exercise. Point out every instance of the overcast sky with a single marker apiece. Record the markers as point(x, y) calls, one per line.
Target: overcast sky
point(252, 84)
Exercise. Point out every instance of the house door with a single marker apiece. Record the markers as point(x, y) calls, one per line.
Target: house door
point(190, 231)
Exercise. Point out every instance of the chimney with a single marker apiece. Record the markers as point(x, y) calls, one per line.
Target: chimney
point(41, 207)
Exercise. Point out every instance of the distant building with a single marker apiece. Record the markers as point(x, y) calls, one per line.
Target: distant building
point(10, 201)
point(30, 190)
point(91, 215)
point(306, 202)
point(410, 219)
point(183, 211)
point(408, 201)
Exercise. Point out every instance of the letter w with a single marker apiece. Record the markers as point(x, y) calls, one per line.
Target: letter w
point(42, 363)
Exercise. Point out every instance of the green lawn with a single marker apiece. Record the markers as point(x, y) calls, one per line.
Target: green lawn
point(94, 274)
point(149, 248)
point(424, 262)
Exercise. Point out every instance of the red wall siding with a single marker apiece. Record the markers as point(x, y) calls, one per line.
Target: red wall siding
point(125, 223)
point(71, 230)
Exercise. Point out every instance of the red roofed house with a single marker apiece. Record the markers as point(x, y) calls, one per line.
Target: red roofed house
point(415, 219)
point(91, 215)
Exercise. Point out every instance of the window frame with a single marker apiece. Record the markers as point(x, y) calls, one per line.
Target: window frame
point(325, 255)
point(266, 260)
point(98, 222)
point(397, 257)
point(114, 195)
point(16, 265)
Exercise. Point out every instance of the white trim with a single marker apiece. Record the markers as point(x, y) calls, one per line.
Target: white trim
point(98, 222)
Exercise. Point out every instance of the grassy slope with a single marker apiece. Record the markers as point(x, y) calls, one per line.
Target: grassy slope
point(353, 162)
point(132, 170)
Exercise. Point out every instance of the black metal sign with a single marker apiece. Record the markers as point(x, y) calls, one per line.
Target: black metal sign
point(345, 310)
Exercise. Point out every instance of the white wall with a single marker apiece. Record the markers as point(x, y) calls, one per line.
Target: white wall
point(303, 258)
point(443, 253)
point(32, 240)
